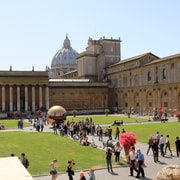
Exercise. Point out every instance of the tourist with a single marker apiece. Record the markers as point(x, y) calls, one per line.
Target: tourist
point(150, 143)
point(117, 133)
point(100, 134)
point(132, 158)
point(158, 136)
point(24, 160)
point(155, 148)
point(140, 159)
point(177, 143)
point(69, 169)
point(109, 131)
point(117, 151)
point(82, 177)
point(108, 160)
point(167, 144)
point(161, 145)
point(91, 174)
point(110, 143)
point(53, 169)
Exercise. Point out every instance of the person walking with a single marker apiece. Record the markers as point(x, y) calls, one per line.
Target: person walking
point(53, 171)
point(108, 160)
point(150, 143)
point(100, 134)
point(167, 145)
point(117, 133)
point(109, 131)
point(140, 158)
point(132, 158)
point(161, 145)
point(155, 148)
point(117, 151)
point(177, 143)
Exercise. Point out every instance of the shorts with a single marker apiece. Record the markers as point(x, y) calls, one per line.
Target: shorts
point(53, 172)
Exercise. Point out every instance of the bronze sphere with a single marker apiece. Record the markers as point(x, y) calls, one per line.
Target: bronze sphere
point(56, 114)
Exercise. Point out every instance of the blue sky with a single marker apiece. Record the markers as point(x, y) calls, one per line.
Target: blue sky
point(32, 31)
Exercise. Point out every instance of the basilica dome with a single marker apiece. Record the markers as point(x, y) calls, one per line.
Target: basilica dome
point(64, 60)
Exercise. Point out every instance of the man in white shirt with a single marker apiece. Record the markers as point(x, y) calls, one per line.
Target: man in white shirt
point(132, 157)
point(161, 145)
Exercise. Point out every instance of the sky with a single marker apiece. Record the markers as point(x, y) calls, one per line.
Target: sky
point(32, 31)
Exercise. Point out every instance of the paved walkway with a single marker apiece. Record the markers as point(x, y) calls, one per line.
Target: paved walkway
point(151, 168)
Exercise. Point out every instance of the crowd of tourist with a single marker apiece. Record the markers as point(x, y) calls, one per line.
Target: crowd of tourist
point(79, 131)
point(160, 144)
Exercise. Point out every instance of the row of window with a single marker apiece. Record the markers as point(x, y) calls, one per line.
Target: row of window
point(165, 104)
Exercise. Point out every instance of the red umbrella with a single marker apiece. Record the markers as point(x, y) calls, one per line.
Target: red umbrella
point(38, 112)
point(160, 110)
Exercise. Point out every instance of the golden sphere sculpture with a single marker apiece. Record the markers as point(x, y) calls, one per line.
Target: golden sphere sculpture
point(56, 114)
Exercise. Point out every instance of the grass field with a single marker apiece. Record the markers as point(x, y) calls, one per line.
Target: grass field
point(107, 119)
point(144, 131)
point(12, 123)
point(41, 148)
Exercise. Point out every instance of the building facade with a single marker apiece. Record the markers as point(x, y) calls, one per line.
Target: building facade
point(23, 91)
point(145, 83)
point(141, 84)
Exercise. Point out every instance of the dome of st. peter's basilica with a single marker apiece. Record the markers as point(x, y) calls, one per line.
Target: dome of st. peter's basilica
point(64, 60)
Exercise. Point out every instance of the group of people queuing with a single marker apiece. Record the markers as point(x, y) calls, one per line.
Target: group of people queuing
point(159, 143)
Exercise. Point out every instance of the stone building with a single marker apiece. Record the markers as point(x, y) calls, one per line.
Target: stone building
point(145, 83)
point(23, 91)
point(102, 80)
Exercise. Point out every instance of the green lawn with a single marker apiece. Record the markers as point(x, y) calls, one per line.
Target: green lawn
point(12, 123)
point(106, 119)
point(144, 131)
point(42, 148)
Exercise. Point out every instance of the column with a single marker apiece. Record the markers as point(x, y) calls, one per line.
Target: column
point(3, 98)
point(11, 98)
point(26, 98)
point(47, 97)
point(18, 98)
point(40, 97)
point(33, 98)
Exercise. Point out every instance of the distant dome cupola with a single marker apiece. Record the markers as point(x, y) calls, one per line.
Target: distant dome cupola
point(67, 43)
point(64, 60)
